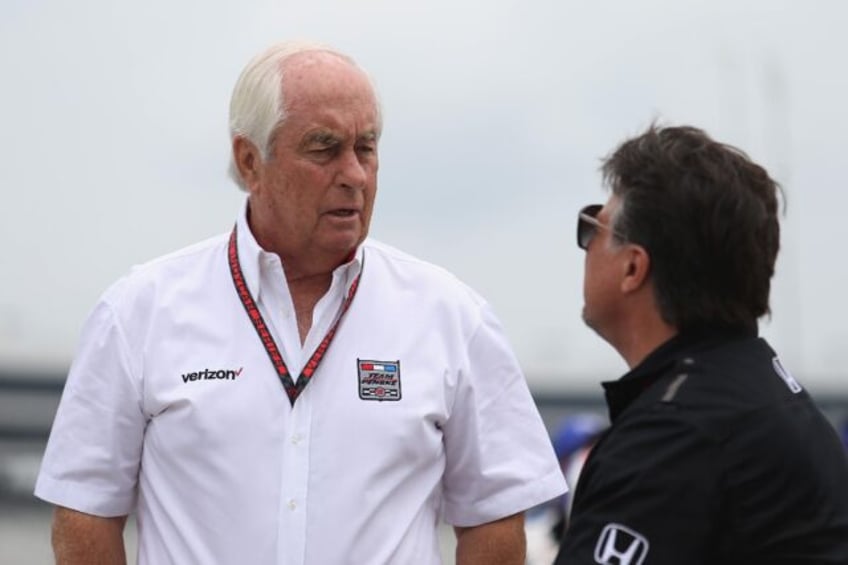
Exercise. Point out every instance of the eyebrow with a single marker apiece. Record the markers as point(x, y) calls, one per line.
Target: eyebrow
point(322, 137)
point(326, 137)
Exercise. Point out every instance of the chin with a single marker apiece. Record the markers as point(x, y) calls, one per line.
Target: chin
point(340, 254)
point(352, 242)
point(586, 318)
point(342, 239)
point(592, 324)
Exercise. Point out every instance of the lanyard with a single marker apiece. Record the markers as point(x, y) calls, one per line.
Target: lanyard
point(292, 389)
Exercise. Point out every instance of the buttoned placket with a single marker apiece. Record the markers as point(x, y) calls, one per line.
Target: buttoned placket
point(277, 307)
point(294, 452)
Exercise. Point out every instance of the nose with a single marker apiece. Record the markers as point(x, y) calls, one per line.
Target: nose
point(352, 171)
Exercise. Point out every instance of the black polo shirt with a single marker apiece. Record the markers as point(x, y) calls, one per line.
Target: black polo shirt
point(715, 455)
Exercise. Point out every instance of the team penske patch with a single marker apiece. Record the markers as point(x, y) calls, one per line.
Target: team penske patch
point(378, 380)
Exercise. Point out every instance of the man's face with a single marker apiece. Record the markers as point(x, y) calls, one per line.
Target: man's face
point(314, 195)
point(603, 273)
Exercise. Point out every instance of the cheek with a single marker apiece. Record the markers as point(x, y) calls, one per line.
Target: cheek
point(596, 279)
point(587, 274)
point(300, 195)
point(370, 195)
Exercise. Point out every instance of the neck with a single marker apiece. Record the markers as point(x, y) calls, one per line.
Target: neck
point(311, 269)
point(305, 293)
point(640, 337)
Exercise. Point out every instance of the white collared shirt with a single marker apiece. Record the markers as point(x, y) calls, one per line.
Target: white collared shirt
point(173, 410)
point(263, 273)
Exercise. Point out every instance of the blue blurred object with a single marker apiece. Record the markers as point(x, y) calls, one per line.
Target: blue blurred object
point(843, 432)
point(575, 431)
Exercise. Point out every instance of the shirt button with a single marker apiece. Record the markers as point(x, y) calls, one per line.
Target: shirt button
point(296, 439)
point(292, 504)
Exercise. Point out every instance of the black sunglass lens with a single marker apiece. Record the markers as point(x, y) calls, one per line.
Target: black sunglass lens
point(584, 233)
point(586, 230)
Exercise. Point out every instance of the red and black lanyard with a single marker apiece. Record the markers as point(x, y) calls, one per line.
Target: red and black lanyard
point(292, 389)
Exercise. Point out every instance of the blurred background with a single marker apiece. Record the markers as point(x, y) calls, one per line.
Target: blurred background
point(497, 113)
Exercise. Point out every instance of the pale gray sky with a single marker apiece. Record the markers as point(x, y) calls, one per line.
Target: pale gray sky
point(114, 145)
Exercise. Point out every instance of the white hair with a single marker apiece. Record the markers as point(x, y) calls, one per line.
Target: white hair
point(257, 107)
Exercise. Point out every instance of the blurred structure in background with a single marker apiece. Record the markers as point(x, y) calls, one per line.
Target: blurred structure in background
point(573, 436)
point(28, 401)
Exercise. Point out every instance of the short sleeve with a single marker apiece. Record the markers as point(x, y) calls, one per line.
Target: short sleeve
point(92, 457)
point(499, 458)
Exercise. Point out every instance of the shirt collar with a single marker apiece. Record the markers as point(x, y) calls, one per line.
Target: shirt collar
point(621, 393)
point(251, 255)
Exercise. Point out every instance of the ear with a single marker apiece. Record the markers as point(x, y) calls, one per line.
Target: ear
point(247, 159)
point(636, 266)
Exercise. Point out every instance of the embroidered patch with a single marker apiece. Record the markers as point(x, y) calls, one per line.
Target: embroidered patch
point(378, 380)
point(619, 545)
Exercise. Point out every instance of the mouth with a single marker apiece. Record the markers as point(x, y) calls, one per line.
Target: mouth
point(343, 212)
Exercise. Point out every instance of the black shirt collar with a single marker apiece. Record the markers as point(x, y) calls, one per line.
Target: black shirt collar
point(621, 393)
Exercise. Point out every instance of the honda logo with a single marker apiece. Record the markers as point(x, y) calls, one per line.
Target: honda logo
point(619, 545)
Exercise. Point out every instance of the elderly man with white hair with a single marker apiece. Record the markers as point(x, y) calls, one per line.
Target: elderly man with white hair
point(291, 392)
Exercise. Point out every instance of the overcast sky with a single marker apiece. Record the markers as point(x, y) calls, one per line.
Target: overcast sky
point(114, 146)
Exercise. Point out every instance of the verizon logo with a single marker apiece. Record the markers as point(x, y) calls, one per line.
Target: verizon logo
point(206, 374)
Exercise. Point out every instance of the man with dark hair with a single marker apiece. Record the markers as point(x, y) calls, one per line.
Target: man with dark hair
point(715, 454)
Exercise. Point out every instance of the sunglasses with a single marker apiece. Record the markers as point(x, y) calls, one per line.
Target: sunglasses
point(588, 225)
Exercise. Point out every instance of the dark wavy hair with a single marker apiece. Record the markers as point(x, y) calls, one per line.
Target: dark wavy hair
point(707, 216)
